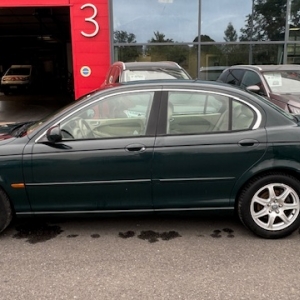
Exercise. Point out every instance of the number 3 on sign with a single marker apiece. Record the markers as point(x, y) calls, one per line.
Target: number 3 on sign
point(91, 20)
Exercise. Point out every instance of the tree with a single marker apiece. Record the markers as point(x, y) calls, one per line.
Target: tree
point(177, 53)
point(295, 13)
point(126, 53)
point(160, 38)
point(230, 33)
point(267, 22)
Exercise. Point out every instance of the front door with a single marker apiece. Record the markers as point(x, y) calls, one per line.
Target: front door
point(101, 163)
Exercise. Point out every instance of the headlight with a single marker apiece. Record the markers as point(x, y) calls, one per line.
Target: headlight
point(294, 110)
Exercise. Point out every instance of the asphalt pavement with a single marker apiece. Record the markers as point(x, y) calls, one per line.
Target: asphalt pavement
point(145, 258)
point(29, 107)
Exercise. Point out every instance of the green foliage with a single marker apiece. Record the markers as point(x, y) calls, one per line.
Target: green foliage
point(268, 20)
point(126, 53)
point(230, 33)
point(177, 53)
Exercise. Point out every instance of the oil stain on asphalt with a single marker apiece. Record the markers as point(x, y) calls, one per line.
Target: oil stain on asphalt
point(72, 235)
point(218, 233)
point(127, 234)
point(41, 232)
point(37, 232)
point(151, 236)
point(95, 235)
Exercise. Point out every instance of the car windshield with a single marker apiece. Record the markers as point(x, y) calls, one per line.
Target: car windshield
point(160, 73)
point(284, 81)
point(18, 71)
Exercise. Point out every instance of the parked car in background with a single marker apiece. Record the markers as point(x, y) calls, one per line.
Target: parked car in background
point(17, 77)
point(133, 71)
point(197, 146)
point(280, 84)
point(211, 73)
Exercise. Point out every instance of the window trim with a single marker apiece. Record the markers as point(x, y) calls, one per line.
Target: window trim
point(164, 104)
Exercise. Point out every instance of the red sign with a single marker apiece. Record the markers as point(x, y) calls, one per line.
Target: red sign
point(90, 38)
point(20, 3)
point(90, 43)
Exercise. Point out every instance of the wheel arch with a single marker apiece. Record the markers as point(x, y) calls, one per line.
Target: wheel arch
point(251, 176)
point(17, 197)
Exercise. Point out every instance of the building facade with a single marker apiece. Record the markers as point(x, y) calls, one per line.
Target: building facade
point(194, 33)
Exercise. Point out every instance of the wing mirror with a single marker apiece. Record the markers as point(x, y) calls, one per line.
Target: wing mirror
point(256, 89)
point(253, 88)
point(53, 134)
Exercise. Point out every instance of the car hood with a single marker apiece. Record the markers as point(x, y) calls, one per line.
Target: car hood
point(6, 131)
point(5, 139)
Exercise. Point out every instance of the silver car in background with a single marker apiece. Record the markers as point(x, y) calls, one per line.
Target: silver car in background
point(17, 77)
point(280, 84)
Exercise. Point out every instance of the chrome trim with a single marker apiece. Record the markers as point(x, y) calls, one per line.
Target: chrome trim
point(195, 209)
point(258, 114)
point(195, 179)
point(125, 210)
point(155, 89)
point(92, 102)
point(87, 182)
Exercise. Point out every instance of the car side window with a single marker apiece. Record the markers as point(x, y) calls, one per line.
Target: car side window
point(121, 115)
point(251, 78)
point(194, 112)
point(197, 113)
point(243, 117)
point(234, 76)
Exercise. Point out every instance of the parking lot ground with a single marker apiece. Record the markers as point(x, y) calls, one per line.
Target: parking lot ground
point(30, 107)
point(145, 257)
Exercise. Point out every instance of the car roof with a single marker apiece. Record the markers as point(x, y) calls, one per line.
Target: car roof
point(264, 68)
point(179, 83)
point(20, 66)
point(148, 65)
point(214, 68)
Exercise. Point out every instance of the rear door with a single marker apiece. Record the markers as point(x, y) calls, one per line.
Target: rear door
point(211, 140)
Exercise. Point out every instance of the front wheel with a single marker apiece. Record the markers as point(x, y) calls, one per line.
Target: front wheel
point(269, 205)
point(5, 211)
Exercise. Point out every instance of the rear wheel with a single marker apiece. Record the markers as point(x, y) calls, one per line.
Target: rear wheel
point(270, 205)
point(5, 211)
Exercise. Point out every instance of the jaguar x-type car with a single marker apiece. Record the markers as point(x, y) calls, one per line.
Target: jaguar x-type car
point(158, 146)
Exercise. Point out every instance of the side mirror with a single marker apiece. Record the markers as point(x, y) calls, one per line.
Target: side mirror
point(53, 134)
point(253, 88)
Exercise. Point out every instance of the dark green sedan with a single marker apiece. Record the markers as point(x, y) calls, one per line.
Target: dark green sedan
point(157, 146)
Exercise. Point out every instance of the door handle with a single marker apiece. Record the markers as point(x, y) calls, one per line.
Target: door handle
point(136, 148)
point(248, 142)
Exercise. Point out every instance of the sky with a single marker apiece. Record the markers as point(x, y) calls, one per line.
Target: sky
point(178, 19)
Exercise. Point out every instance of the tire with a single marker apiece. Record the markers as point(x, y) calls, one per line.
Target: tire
point(269, 205)
point(5, 211)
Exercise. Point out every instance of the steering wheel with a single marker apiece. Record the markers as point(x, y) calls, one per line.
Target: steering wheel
point(83, 129)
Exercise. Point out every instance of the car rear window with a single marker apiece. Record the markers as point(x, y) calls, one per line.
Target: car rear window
point(134, 75)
